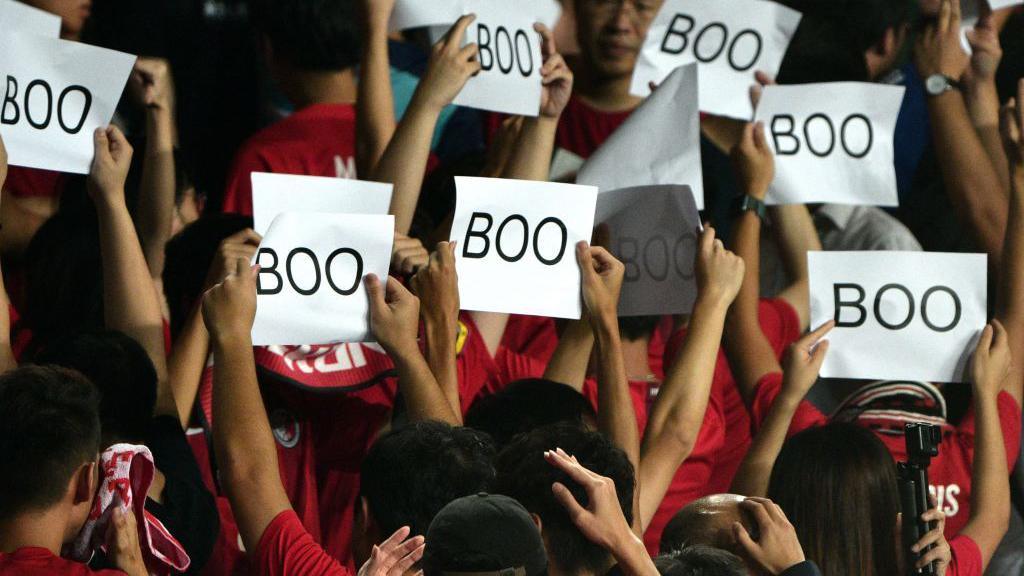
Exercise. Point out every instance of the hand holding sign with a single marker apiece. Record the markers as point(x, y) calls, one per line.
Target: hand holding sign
point(719, 271)
point(803, 361)
point(437, 286)
point(110, 165)
point(986, 53)
point(992, 359)
point(602, 281)
point(407, 255)
point(241, 245)
point(753, 161)
point(555, 76)
point(394, 315)
point(938, 49)
point(230, 307)
point(150, 84)
point(450, 66)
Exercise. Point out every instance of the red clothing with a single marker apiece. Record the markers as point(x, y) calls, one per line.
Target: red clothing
point(286, 549)
point(639, 392)
point(319, 140)
point(34, 561)
point(949, 474)
point(966, 557)
point(582, 128)
point(34, 183)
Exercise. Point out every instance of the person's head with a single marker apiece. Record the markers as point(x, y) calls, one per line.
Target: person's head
point(308, 35)
point(528, 404)
point(525, 475)
point(73, 14)
point(837, 485)
point(123, 375)
point(188, 258)
point(50, 439)
point(700, 560)
point(707, 521)
point(411, 473)
point(637, 328)
point(484, 534)
point(610, 34)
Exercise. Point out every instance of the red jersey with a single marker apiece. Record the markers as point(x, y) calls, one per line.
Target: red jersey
point(33, 561)
point(286, 548)
point(319, 140)
point(949, 474)
point(35, 183)
point(582, 128)
point(966, 559)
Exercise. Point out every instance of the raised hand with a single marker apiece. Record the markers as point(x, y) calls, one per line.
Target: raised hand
point(437, 286)
point(992, 358)
point(394, 556)
point(407, 255)
point(394, 315)
point(938, 49)
point(150, 84)
point(986, 53)
point(804, 358)
point(241, 245)
point(941, 554)
point(602, 281)
point(602, 521)
point(556, 78)
point(123, 548)
point(110, 164)
point(753, 161)
point(1012, 128)
point(229, 308)
point(777, 547)
point(450, 66)
point(719, 271)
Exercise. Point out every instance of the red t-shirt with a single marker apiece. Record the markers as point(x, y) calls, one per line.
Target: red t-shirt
point(287, 549)
point(949, 474)
point(966, 557)
point(34, 183)
point(319, 140)
point(33, 561)
point(582, 128)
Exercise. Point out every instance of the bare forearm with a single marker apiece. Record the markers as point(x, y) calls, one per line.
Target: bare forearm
point(970, 180)
point(615, 414)
point(376, 118)
point(990, 486)
point(633, 559)
point(568, 365)
point(531, 156)
point(156, 201)
point(983, 106)
point(752, 477)
point(795, 232)
point(1010, 301)
point(440, 334)
point(423, 397)
point(405, 160)
point(186, 363)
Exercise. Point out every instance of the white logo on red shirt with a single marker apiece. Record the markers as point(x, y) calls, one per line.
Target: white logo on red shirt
point(345, 168)
point(286, 428)
point(945, 498)
point(324, 359)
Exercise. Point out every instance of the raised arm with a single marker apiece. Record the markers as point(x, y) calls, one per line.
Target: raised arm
point(375, 102)
point(151, 87)
point(405, 158)
point(394, 319)
point(7, 361)
point(980, 91)
point(990, 485)
point(967, 172)
point(130, 302)
point(750, 354)
point(803, 362)
point(437, 286)
point(678, 413)
point(1010, 300)
point(796, 235)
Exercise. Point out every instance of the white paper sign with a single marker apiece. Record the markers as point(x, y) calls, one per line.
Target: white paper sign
point(418, 13)
point(56, 93)
point(510, 59)
point(310, 284)
point(653, 231)
point(273, 194)
point(730, 41)
point(24, 19)
point(833, 142)
point(899, 315)
point(658, 144)
point(517, 245)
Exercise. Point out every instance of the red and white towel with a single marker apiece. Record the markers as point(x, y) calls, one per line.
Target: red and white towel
point(126, 474)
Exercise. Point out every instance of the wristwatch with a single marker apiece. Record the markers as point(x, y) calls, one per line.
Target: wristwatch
point(751, 204)
point(937, 84)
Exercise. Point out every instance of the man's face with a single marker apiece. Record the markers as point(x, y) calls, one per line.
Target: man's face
point(611, 33)
point(73, 14)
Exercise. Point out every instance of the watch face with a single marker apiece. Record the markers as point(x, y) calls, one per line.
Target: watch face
point(936, 84)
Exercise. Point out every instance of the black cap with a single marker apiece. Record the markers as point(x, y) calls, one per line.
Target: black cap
point(484, 535)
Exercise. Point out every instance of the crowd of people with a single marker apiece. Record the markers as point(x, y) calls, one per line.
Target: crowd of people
point(143, 433)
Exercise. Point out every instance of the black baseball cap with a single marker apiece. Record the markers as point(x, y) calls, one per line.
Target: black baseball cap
point(484, 535)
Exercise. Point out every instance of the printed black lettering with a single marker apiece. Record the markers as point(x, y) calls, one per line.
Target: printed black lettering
point(757, 52)
point(721, 45)
point(878, 307)
point(271, 270)
point(521, 36)
point(481, 234)
point(291, 277)
point(685, 248)
point(561, 245)
point(871, 135)
point(778, 133)
point(680, 33)
point(831, 135)
point(497, 48)
point(839, 303)
point(652, 260)
point(28, 104)
point(357, 276)
point(526, 238)
point(10, 97)
point(956, 308)
point(483, 41)
point(86, 104)
point(627, 253)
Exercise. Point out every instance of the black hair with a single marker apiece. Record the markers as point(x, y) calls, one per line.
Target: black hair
point(525, 405)
point(700, 560)
point(525, 475)
point(840, 475)
point(49, 426)
point(188, 258)
point(313, 35)
point(637, 327)
point(412, 472)
point(123, 374)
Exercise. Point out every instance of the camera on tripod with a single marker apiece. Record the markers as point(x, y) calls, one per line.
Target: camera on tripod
point(922, 445)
